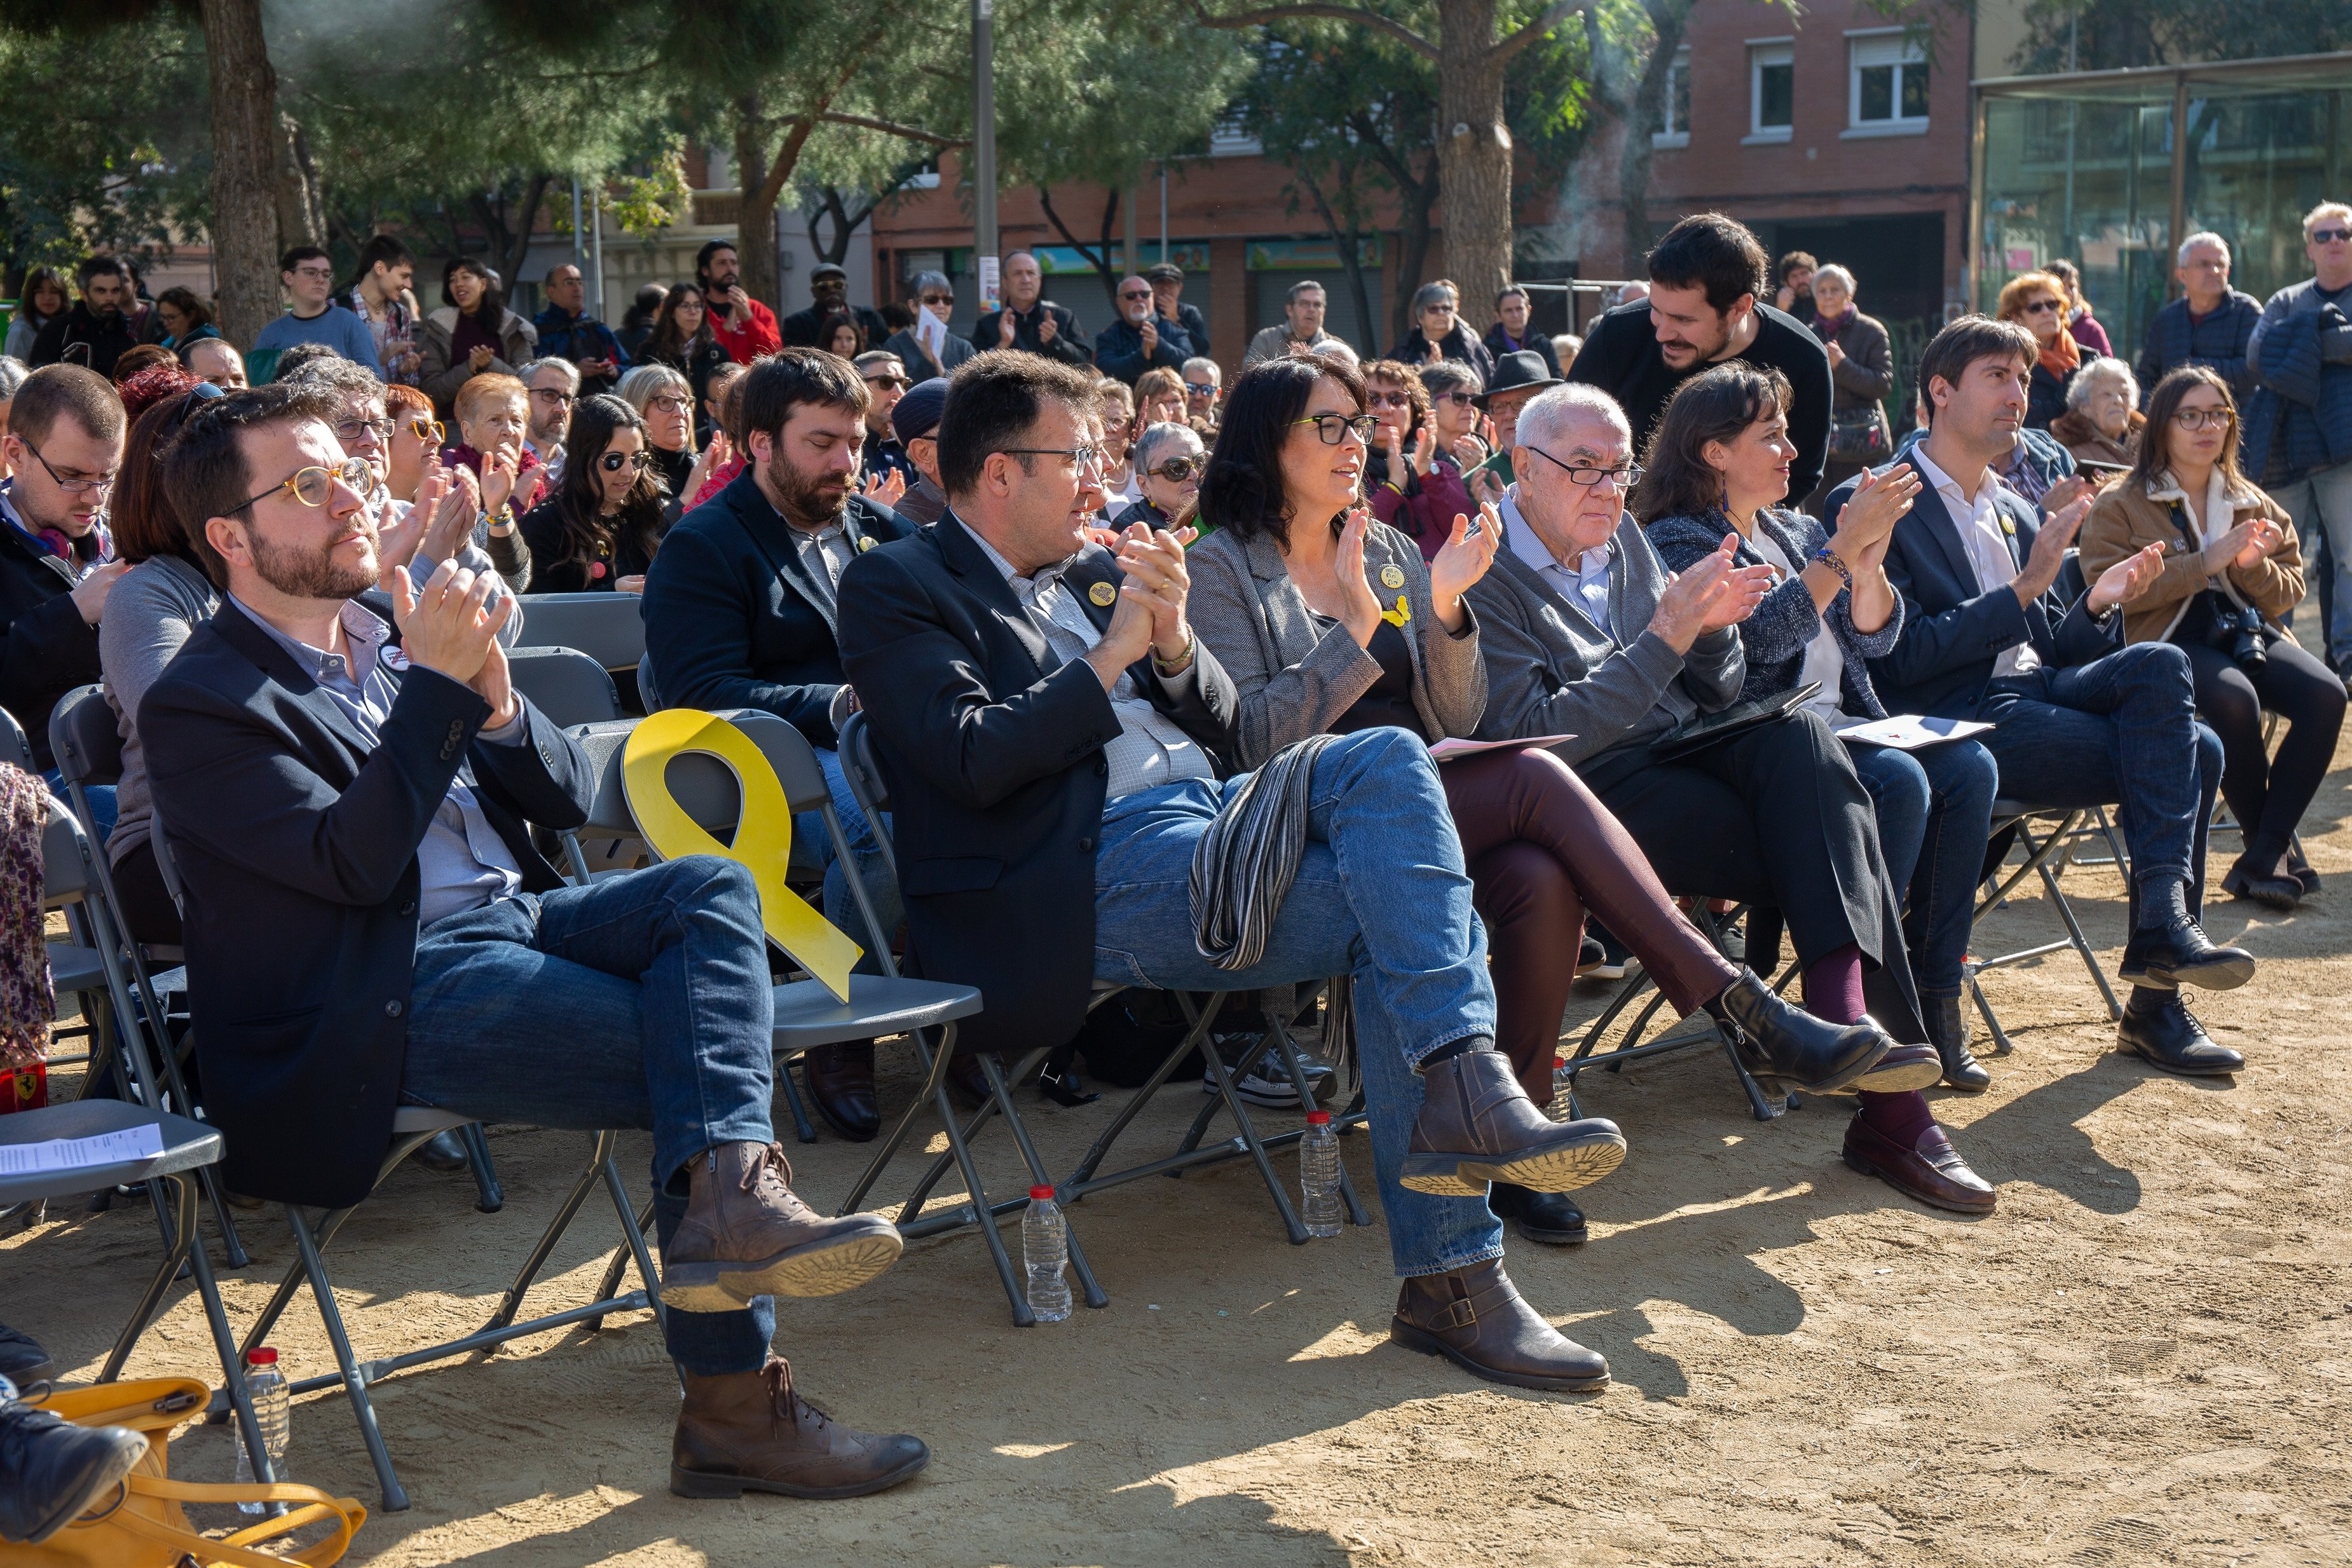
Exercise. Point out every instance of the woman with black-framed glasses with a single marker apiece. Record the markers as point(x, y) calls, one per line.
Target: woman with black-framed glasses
point(600, 529)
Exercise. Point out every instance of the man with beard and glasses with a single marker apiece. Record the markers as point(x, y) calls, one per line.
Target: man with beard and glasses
point(348, 797)
point(97, 331)
point(740, 613)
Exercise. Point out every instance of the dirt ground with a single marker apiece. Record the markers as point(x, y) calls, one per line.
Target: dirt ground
point(2145, 1356)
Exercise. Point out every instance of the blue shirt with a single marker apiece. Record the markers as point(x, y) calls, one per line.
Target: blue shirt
point(338, 327)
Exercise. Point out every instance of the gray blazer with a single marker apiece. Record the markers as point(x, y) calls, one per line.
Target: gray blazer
point(1296, 678)
point(1550, 671)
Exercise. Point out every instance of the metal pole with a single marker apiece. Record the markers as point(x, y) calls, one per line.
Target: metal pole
point(983, 152)
point(577, 240)
point(1163, 211)
point(596, 250)
point(2180, 215)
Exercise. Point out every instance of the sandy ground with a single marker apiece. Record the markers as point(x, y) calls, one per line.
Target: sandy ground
point(2145, 1356)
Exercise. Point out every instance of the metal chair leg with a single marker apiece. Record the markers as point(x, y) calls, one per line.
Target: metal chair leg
point(1021, 1316)
point(934, 1077)
point(1195, 1037)
point(1357, 1214)
point(508, 1305)
point(1039, 1176)
point(180, 1239)
point(396, 1497)
point(633, 1226)
point(2082, 944)
point(802, 1128)
point(493, 1197)
point(1247, 1132)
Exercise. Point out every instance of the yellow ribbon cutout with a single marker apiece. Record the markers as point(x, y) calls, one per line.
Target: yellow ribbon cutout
point(1400, 615)
point(763, 834)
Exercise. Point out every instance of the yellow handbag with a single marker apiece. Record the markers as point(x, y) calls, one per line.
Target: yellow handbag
point(142, 1525)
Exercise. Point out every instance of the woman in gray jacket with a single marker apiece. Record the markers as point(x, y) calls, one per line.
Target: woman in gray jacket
point(1340, 627)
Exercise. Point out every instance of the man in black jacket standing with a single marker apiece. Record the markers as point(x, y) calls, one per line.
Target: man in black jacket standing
point(1028, 321)
point(368, 925)
point(740, 613)
point(1707, 276)
point(96, 330)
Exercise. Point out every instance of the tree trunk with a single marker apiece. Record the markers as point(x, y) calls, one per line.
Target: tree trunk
point(1474, 152)
point(755, 217)
point(245, 167)
point(300, 216)
point(1667, 21)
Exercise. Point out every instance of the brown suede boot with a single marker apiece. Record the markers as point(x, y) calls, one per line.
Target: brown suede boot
point(752, 1431)
point(1478, 1125)
point(1476, 1319)
point(745, 1234)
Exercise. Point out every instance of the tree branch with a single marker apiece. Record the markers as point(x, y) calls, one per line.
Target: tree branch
point(1553, 15)
point(1356, 14)
point(891, 128)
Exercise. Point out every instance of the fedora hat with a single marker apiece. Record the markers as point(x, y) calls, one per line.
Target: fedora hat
point(1513, 372)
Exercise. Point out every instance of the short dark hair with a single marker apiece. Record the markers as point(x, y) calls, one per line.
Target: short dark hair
point(1962, 343)
point(1712, 251)
point(994, 401)
point(65, 392)
point(491, 308)
point(1717, 404)
point(94, 266)
point(782, 382)
point(1793, 260)
point(185, 302)
point(712, 247)
point(833, 323)
point(1243, 488)
point(1301, 286)
point(1507, 290)
point(384, 249)
point(291, 361)
point(204, 471)
point(300, 253)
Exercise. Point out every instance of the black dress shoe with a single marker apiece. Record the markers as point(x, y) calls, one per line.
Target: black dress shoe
point(840, 1080)
point(22, 1359)
point(2165, 1033)
point(1786, 1048)
point(2272, 887)
point(1551, 1217)
point(2181, 954)
point(56, 1471)
point(445, 1152)
point(1476, 1319)
point(1948, 1031)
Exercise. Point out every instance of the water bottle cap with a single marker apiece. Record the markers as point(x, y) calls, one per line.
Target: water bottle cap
point(1319, 1118)
point(265, 1356)
point(1041, 1194)
point(1557, 1063)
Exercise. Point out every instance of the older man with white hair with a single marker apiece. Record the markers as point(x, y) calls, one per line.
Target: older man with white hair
point(2210, 324)
point(2297, 435)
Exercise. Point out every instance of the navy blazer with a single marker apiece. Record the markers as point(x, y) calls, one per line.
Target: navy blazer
point(1943, 663)
point(295, 840)
point(993, 750)
point(734, 620)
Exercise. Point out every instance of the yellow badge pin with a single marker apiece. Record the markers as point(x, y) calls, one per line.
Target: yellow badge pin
point(865, 542)
point(1103, 593)
point(1391, 577)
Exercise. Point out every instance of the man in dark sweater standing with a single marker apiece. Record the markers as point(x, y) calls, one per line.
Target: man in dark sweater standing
point(1704, 279)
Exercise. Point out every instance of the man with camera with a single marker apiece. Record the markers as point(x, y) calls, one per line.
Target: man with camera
point(2080, 719)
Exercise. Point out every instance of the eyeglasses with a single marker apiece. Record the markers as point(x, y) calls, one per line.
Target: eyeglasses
point(1624, 478)
point(612, 461)
point(1082, 457)
point(668, 402)
point(1335, 428)
point(1390, 400)
point(1176, 470)
point(316, 274)
point(561, 399)
point(1459, 398)
point(352, 429)
point(1200, 389)
point(2199, 418)
point(425, 429)
point(314, 485)
point(76, 484)
point(2330, 237)
point(1132, 294)
point(948, 299)
point(2042, 306)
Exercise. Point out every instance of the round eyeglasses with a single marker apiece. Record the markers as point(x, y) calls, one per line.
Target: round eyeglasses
point(314, 485)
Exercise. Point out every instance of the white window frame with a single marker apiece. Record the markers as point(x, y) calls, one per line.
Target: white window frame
point(1228, 139)
point(1763, 52)
point(1675, 135)
point(1870, 48)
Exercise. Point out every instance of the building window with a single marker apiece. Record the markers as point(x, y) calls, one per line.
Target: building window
point(1231, 138)
point(1771, 91)
point(1886, 92)
point(1673, 128)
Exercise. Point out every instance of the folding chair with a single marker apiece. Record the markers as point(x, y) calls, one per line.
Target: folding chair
point(2040, 853)
point(610, 628)
point(565, 683)
point(413, 1126)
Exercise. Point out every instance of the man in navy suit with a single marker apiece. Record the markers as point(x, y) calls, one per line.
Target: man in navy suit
point(2081, 719)
point(368, 925)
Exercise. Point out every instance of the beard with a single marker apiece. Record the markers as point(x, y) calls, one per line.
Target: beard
point(811, 504)
point(314, 574)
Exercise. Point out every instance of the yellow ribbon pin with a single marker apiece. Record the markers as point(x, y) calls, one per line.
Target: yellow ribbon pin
point(1400, 615)
point(763, 834)
point(1103, 594)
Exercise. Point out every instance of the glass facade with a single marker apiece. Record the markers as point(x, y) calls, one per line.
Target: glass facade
point(2084, 167)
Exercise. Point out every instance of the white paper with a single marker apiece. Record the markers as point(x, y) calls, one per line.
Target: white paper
point(144, 1141)
point(1908, 731)
point(931, 333)
point(1447, 750)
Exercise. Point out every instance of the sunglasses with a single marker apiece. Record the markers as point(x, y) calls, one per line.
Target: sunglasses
point(1132, 294)
point(938, 300)
point(901, 382)
point(1335, 428)
point(2330, 237)
point(1459, 398)
point(612, 462)
point(1390, 400)
point(425, 429)
point(2043, 306)
point(313, 487)
point(1200, 389)
point(1176, 470)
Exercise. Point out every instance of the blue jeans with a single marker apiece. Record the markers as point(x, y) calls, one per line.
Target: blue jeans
point(1935, 815)
point(2320, 503)
point(2121, 730)
point(643, 1001)
point(1381, 894)
point(103, 813)
point(881, 888)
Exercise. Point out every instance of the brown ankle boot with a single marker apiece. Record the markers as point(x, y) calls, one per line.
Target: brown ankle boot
point(745, 1234)
point(1478, 1125)
point(1476, 1319)
point(752, 1431)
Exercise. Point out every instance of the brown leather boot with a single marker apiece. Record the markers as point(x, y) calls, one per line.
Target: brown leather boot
point(1476, 1319)
point(752, 1431)
point(745, 1234)
point(1478, 1125)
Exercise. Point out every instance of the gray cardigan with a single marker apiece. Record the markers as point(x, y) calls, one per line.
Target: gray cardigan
point(1550, 671)
point(1296, 678)
point(153, 610)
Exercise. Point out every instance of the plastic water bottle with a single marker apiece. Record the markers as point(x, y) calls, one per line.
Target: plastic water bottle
point(1563, 1091)
point(1045, 1250)
point(272, 1412)
point(1318, 1176)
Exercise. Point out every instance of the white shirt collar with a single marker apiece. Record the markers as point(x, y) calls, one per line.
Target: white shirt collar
point(1951, 487)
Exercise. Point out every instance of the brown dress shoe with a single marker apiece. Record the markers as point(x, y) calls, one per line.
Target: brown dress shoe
point(1476, 1319)
point(840, 1080)
point(1477, 1126)
point(1930, 1170)
point(752, 1431)
point(746, 1234)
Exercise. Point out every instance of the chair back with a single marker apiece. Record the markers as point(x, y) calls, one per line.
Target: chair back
point(865, 783)
point(67, 876)
point(564, 683)
point(648, 696)
point(13, 745)
point(610, 628)
point(86, 738)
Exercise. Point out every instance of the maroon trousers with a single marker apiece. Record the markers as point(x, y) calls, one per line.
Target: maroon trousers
point(1541, 850)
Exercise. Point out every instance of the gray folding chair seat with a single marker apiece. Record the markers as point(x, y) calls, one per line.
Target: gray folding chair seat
point(610, 627)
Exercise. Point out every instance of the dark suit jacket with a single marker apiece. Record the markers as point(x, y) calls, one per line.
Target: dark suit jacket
point(1118, 349)
point(1068, 346)
point(992, 748)
point(1498, 344)
point(798, 329)
point(1952, 633)
point(46, 649)
point(296, 841)
point(734, 620)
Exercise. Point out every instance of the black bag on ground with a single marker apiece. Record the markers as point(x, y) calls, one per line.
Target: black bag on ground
point(1125, 1040)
